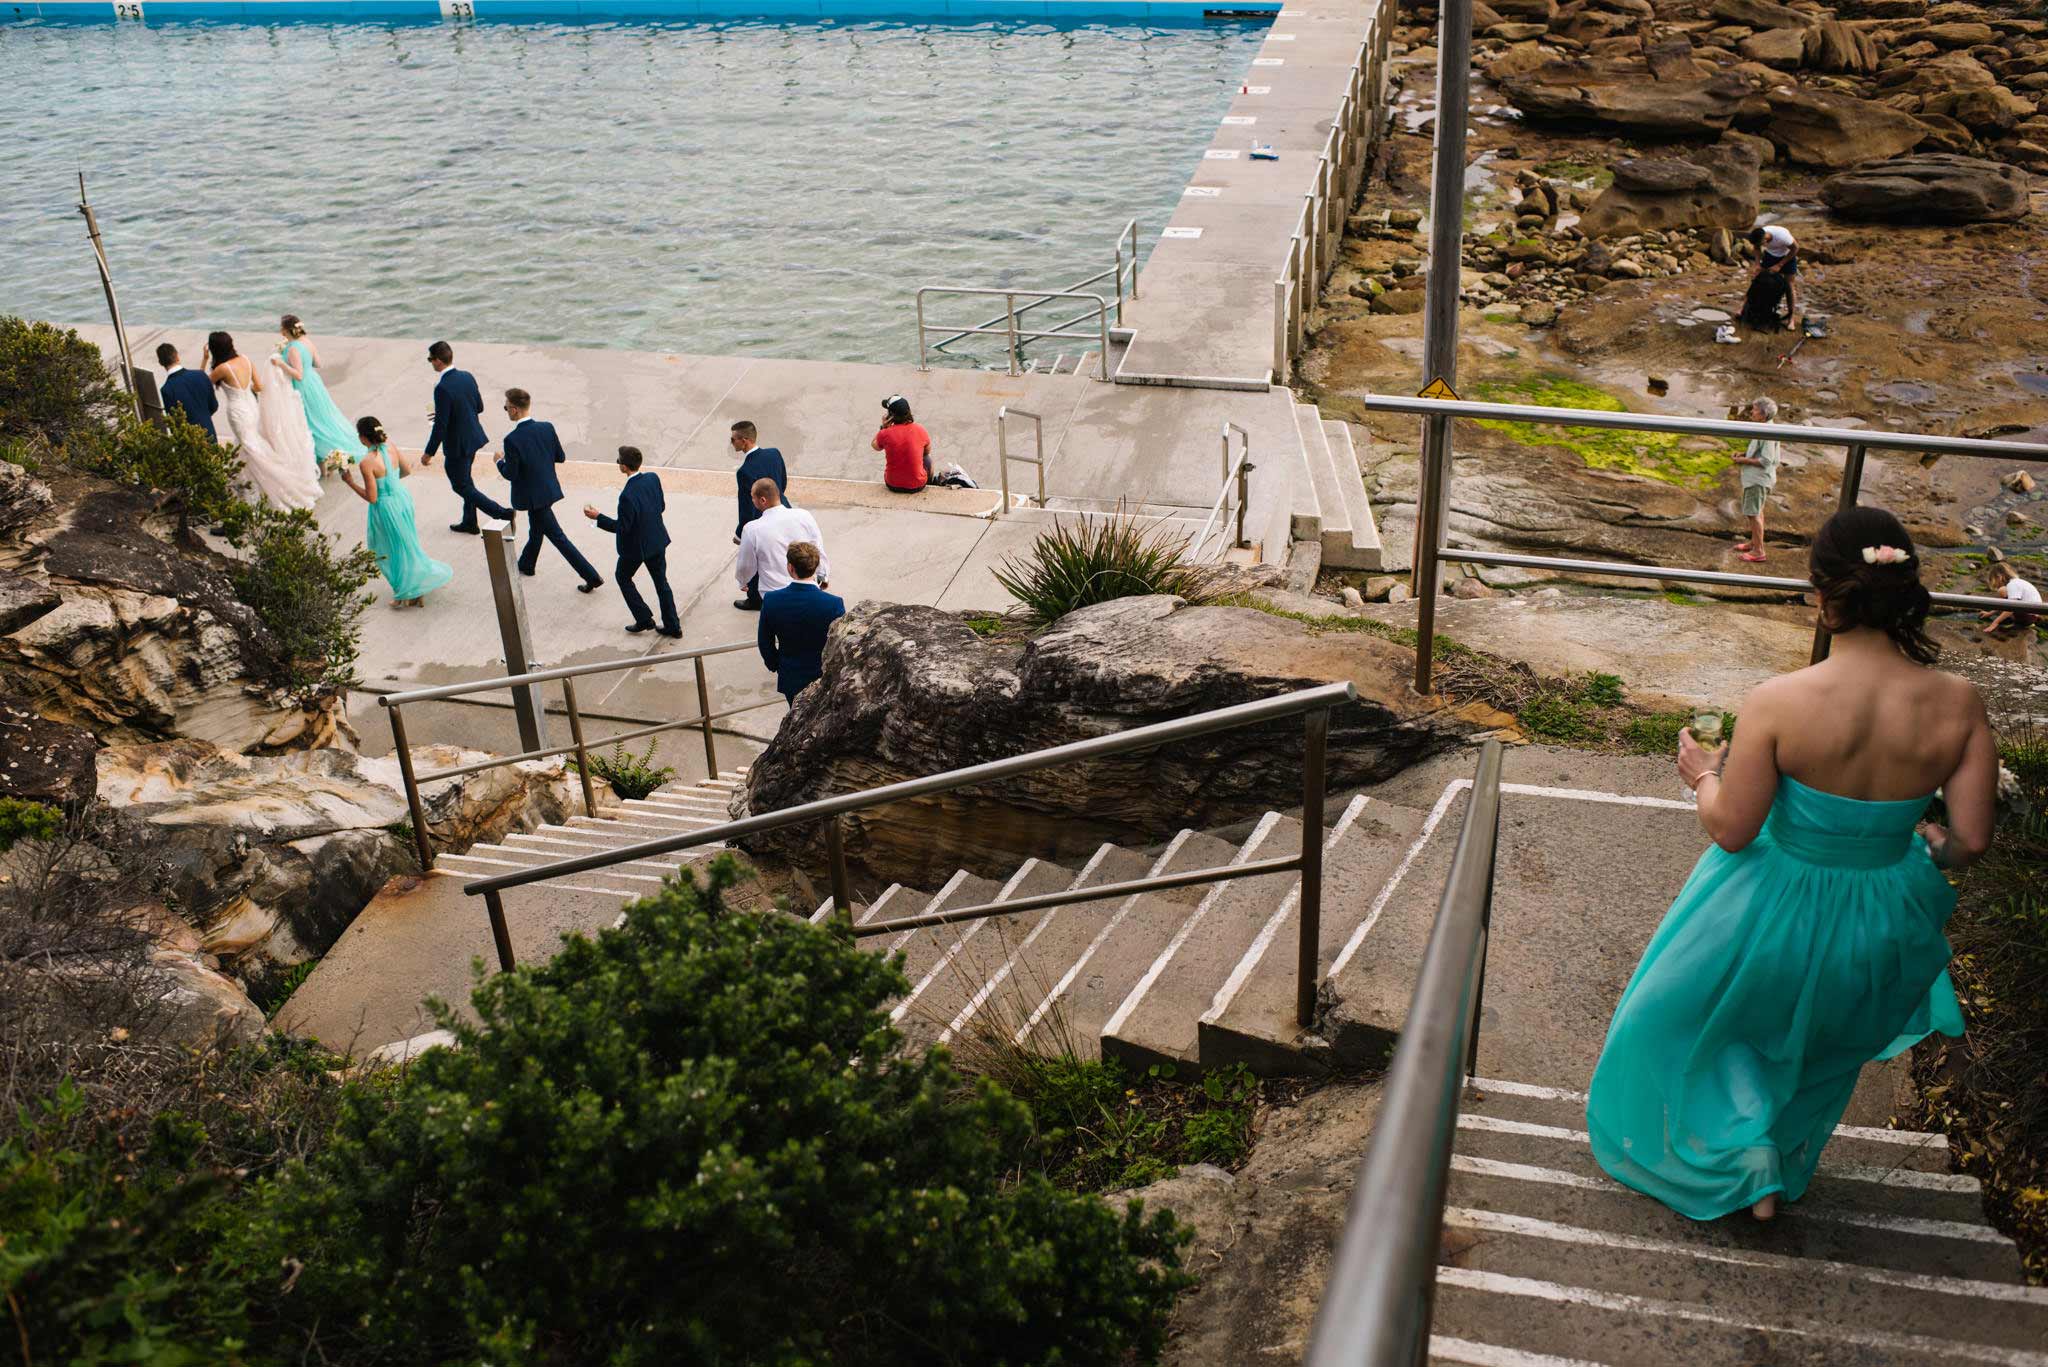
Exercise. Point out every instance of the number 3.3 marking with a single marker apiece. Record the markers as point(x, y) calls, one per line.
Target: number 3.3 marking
point(458, 9)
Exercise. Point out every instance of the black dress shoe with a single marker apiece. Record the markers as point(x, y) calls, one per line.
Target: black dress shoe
point(675, 635)
point(637, 627)
point(747, 604)
point(592, 587)
point(528, 573)
point(466, 531)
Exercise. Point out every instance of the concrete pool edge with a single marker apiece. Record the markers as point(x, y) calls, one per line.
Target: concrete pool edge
point(960, 11)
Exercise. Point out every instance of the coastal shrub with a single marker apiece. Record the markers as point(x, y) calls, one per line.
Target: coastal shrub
point(632, 776)
point(53, 384)
point(1988, 1091)
point(20, 820)
point(310, 593)
point(1096, 559)
point(698, 1138)
point(1555, 715)
point(199, 474)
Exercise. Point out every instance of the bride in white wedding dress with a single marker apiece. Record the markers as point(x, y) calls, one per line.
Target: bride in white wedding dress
point(273, 462)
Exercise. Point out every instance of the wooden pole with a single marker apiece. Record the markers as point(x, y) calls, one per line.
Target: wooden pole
point(99, 252)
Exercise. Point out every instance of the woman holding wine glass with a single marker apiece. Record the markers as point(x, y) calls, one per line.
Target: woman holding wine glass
point(1808, 940)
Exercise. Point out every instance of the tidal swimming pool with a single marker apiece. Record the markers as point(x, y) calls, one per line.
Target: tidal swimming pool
point(747, 187)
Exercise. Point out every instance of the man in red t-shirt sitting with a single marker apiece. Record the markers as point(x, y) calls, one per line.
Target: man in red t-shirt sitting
point(905, 446)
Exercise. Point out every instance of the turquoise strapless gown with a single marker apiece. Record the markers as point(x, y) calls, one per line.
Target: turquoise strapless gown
point(331, 431)
point(395, 537)
point(1776, 975)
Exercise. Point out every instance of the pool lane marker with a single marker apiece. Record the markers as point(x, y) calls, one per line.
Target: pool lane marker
point(1269, 61)
point(1240, 120)
point(1202, 192)
point(1220, 154)
point(1181, 234)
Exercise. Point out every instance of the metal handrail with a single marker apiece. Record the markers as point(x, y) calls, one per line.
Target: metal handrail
point(579, 746)
point(1432, 506)
point(1376, 1304)
point(1237, 478)
point(1015, 334)
point(1129, 234)
point(1003, 456)
point(1312, 705)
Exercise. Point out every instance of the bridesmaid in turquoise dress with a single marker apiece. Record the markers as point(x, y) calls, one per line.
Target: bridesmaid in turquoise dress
point(1809, 939)
point(332, 435)
point(392, 533)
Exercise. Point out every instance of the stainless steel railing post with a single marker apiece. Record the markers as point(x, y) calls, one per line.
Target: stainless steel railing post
point(1852, 488)
point(420, 839)
point(1038, 445)
point(1003, 458)
point(1315, 729)
point(501, 934)
point(923, 362)
point(1010, 312)
point(582, 754)
point(704, 711)
point(1244, 471)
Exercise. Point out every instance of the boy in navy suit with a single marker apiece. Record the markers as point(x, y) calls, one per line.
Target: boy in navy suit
point(457, 405)
point(795, 622)
point(643, 540)
point(756, 463)
point(532, 451)
point(188, 391)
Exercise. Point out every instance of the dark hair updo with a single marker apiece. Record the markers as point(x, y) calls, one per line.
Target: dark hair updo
point(371, 431)
point(290, 325)
point(1856, 591)
point(220, 347)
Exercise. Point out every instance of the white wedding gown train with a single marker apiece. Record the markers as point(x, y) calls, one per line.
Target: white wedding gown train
point(285, 478)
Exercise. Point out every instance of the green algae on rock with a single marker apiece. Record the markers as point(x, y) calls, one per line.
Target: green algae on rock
point(1688, 462)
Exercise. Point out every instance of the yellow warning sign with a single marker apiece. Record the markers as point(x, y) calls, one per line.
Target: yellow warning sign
point(1437, 389)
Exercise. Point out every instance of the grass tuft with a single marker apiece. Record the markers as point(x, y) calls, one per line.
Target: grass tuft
point(1097, 559)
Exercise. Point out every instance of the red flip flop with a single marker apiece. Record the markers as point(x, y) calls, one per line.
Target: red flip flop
point(1752, 559)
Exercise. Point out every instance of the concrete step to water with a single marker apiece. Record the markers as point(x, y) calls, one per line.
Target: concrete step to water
point(920, 949)
point(1156, 1021)
point(1316, 500)
point(1580, 1325)
point(1500, 1099)
point(1867, 1235)
point(1032, 945)
point(1128, 935)
point(1365, 552)
point(946, 964)
point(1253, 1018)
point(490, 861)
point(1788, 1283)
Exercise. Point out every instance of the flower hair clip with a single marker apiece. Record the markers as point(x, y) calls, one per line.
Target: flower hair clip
point(1886, 555)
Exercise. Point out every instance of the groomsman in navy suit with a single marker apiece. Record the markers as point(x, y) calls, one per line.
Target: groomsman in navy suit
point(643, 541)
point(188, 391)
point(795, 620)
point(457, 407)
point(532, 451)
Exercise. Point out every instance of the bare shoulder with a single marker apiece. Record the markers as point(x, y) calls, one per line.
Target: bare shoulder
point(1959, 694)
point(1774, 696)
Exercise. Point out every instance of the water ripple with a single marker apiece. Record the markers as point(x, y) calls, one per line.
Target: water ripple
point(778, 189)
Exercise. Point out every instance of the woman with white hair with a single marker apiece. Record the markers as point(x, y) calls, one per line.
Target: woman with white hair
point(1759, 473)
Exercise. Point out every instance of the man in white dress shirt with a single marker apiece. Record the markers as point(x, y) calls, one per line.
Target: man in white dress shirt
point(765, 543)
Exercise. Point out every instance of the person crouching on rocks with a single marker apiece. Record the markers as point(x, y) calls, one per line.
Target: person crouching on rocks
point(1759, 475)
point(1774, 282)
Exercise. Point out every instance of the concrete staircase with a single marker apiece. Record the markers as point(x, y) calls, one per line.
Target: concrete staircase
point(1886, 1260)
point(1329, 503)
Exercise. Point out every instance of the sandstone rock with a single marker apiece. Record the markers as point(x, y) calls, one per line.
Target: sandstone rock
point(1539, 313)
point(1759, 14)
point(1579, 95)
point(1467, 588)
point(273, 856)
point(1581, 24)
point(1351, 597)
point(1717, 188)
point(22, 600)
point(1949, 71)
point(1933, 187)
point(1783, 48)
point(1519, 60)
point(1516, 33)
point(165, 993)
point(43, 761)
point(405, 1051)
point(1838, 131)
point(2019, 482)
point(1831, 45)
point(1944, 134)
point(1671, 59)
point(910, 690)
point(1992, 110)
point(1532, 11)
point(1398, 302)
point(1766, 151)
point(1957, 35)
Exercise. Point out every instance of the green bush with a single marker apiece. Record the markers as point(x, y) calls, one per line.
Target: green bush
point(1095, 559)
point(21, 820)
point(53, 384)
point(1555, 716)
point(1600, 690)
point(632, 776)
point(697, 1138)
point(1655, 735)
point(311, 596)
point(175, 458)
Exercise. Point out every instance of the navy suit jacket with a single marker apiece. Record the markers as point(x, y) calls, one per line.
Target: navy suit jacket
point(638, 526)
point(532, 451)
point(457, 405)
point(763, 462)
point(794, 624)
point(193, 393)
